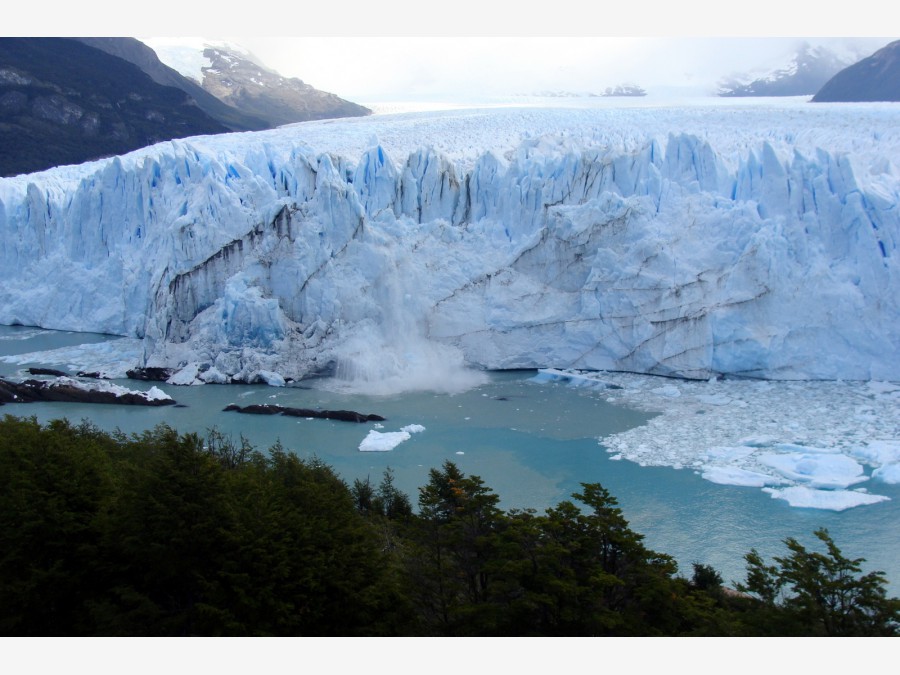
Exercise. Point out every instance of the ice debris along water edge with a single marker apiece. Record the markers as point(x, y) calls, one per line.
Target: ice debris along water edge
point(681, 241)
point(812, 444)
point(385, 441)
point(77, 390)
point(110, 359)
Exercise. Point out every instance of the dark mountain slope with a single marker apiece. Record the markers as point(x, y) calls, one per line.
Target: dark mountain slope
point(876, 78)
point(145, 58)
point(64, 102)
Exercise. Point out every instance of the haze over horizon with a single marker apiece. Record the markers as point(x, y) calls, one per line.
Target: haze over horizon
point(398, 50)
point(375, 69)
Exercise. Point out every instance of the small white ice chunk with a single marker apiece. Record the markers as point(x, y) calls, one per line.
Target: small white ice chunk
point(731, 475)
point(270, 378)
point(378, 441)
point(832, 500)
point(713, 399)
point(156, 394)
point(889, 473)
point(188, 375)
point(817, 470)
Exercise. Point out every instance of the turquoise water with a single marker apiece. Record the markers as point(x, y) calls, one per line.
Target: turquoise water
point(532, 443)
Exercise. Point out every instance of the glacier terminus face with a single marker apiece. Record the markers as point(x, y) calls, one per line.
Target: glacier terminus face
point(411, 251)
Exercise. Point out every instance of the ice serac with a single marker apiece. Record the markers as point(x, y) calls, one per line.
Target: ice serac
point(257, 257)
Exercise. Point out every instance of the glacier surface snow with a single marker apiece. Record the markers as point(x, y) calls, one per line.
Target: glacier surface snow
point(393, 251)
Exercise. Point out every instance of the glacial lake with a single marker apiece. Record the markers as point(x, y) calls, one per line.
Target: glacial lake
point(532, 443)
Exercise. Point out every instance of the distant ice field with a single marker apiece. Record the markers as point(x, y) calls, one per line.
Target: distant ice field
point(871, 131)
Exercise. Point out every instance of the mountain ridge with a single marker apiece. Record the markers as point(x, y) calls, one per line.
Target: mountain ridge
point(803, 74)
point(65, 102)
point(236, 77)
point(876, 78)
point(145, 58)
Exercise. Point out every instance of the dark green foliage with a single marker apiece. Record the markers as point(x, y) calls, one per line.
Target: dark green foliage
point(814, 593)
point(54, 484)
point(706, 578)
point(571, 571)
point(168, 534)
point(449, 546)
point(386, 501)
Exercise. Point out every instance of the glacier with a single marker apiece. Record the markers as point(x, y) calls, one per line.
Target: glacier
point(411, 251)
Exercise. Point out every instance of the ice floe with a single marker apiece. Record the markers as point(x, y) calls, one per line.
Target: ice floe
point(833, 500)
point(385, 441)
point(110, 359)
point(812, 444)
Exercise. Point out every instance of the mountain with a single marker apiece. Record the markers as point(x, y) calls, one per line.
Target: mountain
point(802, 73)
point(876, 78)
point(236, 77)
point(624, 90)
point(64, 102)
point(652, 240)
point(145, 58)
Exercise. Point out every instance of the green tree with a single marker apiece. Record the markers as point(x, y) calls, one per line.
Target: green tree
point(450, 544)
point(822, 593)
point(622, 588)
point(55, 485)
point(165, 535)
point(306, 552)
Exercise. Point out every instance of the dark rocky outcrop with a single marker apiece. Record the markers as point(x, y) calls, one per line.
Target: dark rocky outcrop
point(149, 374)
point(269, 409)
point(47, 371)
point(876, 78)
point(32, 391)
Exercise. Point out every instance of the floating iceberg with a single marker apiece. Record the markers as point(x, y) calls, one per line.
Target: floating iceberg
point(832, 500)
point(385, 441)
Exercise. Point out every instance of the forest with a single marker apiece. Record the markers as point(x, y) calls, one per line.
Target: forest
point(169, 534)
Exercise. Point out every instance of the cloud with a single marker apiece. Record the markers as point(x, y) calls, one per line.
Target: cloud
point(369, 69)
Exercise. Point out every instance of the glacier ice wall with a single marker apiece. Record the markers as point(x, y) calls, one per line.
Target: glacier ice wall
point(658, 255)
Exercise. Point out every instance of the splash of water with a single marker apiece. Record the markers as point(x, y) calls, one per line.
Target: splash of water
point(388, 350)
point(369, 364)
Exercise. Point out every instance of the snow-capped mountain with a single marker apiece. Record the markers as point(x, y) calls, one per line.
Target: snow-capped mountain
point(876, 78)
point(623, 90)
point(755, 241)
point(145, 58)
point(799, 73)
point(235, 76)
point(626, 89)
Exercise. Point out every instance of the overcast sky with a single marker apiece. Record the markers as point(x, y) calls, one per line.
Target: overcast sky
point(371, 69)
point(369, 51)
